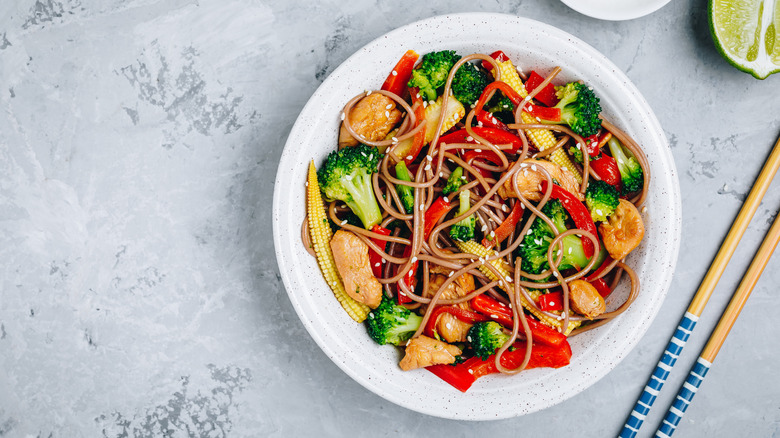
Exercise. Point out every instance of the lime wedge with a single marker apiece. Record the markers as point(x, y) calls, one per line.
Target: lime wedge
point(747, 34)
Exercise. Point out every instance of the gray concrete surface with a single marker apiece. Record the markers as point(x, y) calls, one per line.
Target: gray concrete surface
point(139, 294)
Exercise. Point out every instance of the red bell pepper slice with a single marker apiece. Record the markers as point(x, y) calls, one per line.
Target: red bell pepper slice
point(503, 315)
point(499, 56)
point(607, 169)
point(507, 226)
point(543, 112)
point(463, 375)
point(601, 287)
point(600, 284)
point(579, 214)
point(409, 280)
point(488, 120)
point(397, 79)
point(373, 257)
point(595, 142)
point(551, 301)
point(439, 208)
point(493, 135)
point(547, 94)
point(458, 312)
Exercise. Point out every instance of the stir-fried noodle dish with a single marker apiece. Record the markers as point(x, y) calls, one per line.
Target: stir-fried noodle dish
point(475, 216)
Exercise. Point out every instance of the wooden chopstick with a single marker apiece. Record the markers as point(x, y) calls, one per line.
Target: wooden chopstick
point(707, 286)
point(707, 356)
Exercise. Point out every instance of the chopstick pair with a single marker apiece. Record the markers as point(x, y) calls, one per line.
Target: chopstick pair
point(694, 311)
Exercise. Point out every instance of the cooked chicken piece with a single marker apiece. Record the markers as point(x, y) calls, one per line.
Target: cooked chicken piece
point(585, 299)
point(373, 117)
point(529, 180)
point(423, 351)
point(351, 257)
point(623, 230)
point(449, 327)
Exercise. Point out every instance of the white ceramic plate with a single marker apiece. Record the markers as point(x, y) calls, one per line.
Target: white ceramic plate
point(615, 10)
point(531, 45)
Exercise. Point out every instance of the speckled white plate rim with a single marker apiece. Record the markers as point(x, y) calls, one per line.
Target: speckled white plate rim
point(375, 367)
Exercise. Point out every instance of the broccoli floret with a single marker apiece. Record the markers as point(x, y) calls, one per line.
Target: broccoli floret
point(454, 181)
point(346, 176)
point(486, 337)
point(500, 103)
point(533, 249)
point(576, 153)
point(580, 108)
point(601, 199)
point(432, 72)
point(631, 174)
point(390, 323)
point(468, 83)
point(463, 230)
point(406, 193)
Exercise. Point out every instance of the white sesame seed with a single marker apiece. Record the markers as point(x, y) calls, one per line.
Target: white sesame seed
point(348, 177)
point(492, 233)
point(414, 259)
point(389, 106)
point(431, 102)
point(538, 119)
point(418, 94)
point(441, 174)
point(377, 264)
point(570, 250)
point(494, 316)
point(307, 184)
point(429, 158)
point(449, 326)
point(508, 279)
point(469, 138)
point(504, 208)
point(644, 209)
point(479, 124)
point(387, 114)
point(427, 167)
point(450, 274)
point(533, 167)
point(484, 228)
point(368, 93)
point(477, 150)
point(343, 116)
point(446, 199)
point(344, 222)
point(425, 104)
point(471, 371)
point(422, 207)
point(395, 73)
point(410, 157)
point(402, 293)
point(395, 140)
point(598, 212)
point(371, 157)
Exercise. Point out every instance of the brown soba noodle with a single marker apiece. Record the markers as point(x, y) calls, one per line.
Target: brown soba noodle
point(439, 250)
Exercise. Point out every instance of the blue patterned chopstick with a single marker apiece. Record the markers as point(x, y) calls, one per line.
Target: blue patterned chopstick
point(684, 398)
point(659, 376)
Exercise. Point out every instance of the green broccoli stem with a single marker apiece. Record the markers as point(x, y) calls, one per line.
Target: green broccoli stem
point(363, 202)
point(464, 198)
point(406, 193)
point(454, 181)
point(463, 230)
point(631, 173)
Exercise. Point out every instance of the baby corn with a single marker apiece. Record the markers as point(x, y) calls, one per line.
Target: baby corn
point(320, 233)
